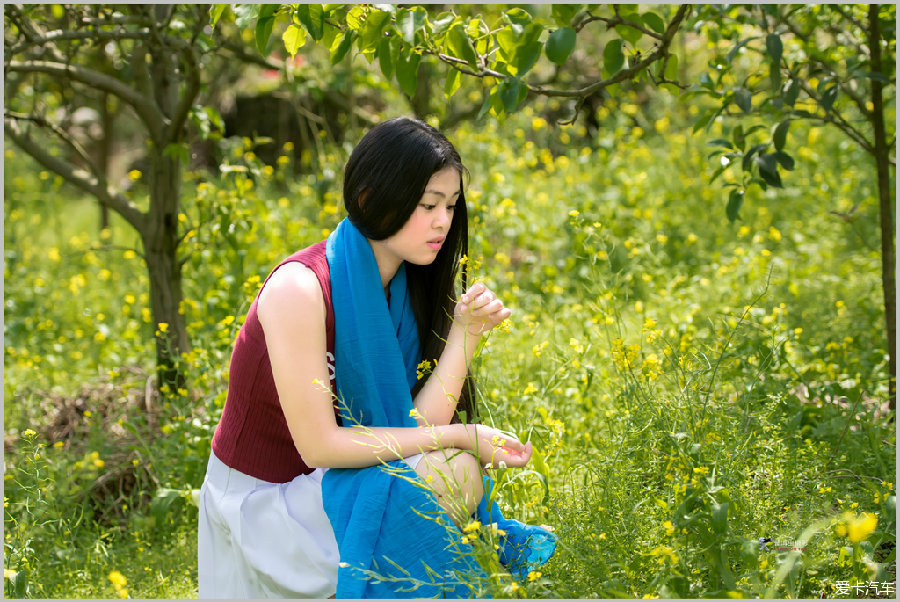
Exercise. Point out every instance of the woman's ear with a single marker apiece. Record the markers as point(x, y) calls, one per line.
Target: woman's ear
point(362, 197)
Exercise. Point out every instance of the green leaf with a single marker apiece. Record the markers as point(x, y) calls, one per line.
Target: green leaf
point(244, 14)
point(409, 21)
point(719, 518)
point(613, 57)
point(704, 119)
point(790, 93)
point(509, 90)
point(744, 99)
point(178, 151)
point(264, 23)
point(486, 105)
point(774, 47)
point(779, 134)
point(735, 200)
point(354, 17)
point(672, 68)
point(215, 13)
point(313, 19)
point(384, 58)
point(372, 30)
point(294, 38)
point(341, 46)
point(460, 46)
point(737, 136)
point(826, 101)
point(654, 22)
point(768, 169)
point(527, 56)
point(518, 16)
point(564, 13)
point(507, 40)
point(560, 44)
point(454, 79)
point(407, 71)
point(748, 156)
point(784, 159)
point(442, 22)
point(630, 34)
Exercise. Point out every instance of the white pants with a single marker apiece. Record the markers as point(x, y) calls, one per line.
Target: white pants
point(264, 540)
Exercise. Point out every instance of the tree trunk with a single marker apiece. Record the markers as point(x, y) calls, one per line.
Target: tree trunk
point(160, 241)
point(883, 167)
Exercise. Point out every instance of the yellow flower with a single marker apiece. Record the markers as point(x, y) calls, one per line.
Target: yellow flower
point(134, 175)
point(531, 388)
point(669, 527)
point(414, 413)
point(861, 527)
point(472, 527)
point(117, 579)
point(9, 574)
point(534, 575)
point(163, 326)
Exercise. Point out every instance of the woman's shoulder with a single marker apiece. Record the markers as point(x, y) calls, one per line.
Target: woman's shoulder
point(290, 287)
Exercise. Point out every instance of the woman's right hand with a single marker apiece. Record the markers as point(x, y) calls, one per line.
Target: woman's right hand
point(494, 446)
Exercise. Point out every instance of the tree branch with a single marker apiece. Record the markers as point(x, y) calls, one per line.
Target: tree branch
point(661, 50)
point(834, 118)
point(153, 119)
point(856, 22)
point(76, 177)
point(253, 59)
point(48, 39)
point(187, 98)
point(58, 131)
point(619, 20)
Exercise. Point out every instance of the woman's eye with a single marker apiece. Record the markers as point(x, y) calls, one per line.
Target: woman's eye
point(451, 207)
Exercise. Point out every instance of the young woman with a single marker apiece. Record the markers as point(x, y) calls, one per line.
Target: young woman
point(310, 486)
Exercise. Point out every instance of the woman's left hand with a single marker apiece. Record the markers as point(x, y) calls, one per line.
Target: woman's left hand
point(479, 310)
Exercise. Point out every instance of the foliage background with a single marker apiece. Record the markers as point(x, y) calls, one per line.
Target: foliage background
point(690, 384)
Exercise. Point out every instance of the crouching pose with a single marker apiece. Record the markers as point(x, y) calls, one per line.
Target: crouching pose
point(338, 458)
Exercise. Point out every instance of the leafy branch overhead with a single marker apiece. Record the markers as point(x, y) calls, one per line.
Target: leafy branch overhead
point(503, 50)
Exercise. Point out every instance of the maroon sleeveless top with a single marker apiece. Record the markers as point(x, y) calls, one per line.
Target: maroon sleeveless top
point(252, 435)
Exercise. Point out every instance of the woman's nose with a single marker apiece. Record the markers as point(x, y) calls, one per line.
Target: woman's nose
point(444, 218)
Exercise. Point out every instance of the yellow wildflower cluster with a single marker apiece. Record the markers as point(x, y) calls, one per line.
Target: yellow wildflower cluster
point(119, 582)
point(423, 368)
point(625, 356)
point(856, 528)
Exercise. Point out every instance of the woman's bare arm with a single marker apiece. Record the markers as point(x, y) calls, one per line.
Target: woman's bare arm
point(477, 311)
point(292, 313)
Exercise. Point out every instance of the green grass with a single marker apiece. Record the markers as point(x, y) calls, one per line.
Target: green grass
point(689, 384)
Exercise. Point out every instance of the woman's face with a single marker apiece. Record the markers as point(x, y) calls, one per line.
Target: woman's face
point(423, 234)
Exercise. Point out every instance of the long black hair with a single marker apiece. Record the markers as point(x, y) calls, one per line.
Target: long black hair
point(384, 180)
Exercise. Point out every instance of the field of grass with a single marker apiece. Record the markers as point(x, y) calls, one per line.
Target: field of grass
point(690, 385)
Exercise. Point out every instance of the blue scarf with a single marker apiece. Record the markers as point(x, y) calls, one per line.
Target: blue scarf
point(385, 522)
